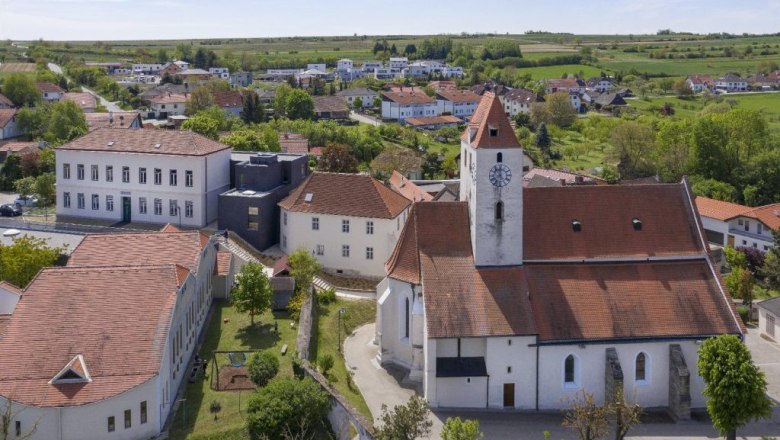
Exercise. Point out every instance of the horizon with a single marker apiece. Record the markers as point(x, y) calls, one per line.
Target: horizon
point(145, 20)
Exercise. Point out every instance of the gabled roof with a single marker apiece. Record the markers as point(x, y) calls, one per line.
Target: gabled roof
point(330, 104)
point(457, 95)
point(19, 147)
point(719, 209)
point(149, 141)
point(490, 116)
point(82, 99)
point(47, 87)
point(610, 99)
point(6, 115)
point(434, 120)
point(74, 371)
point(293, 143)
point(228, 99)
point(354, 195)
point(133, 249)
point(408, 189)
point(222, 264)
point(768, 215)
point(701, 79)
point(112, 120)
point(407, 97)
point(169, 98)
point(357, 91)
point(522, 95)
point(563, 177)
point(772, 304)
point(116, 318)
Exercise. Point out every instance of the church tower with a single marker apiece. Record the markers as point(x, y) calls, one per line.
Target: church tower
point(491, 182)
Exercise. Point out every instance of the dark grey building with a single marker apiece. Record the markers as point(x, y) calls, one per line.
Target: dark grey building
point(259, 182)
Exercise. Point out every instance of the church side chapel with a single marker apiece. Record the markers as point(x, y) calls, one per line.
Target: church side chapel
point(521, 298)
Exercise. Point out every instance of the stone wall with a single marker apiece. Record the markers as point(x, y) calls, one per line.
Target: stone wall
point(613, 380)
point(679, 385)
point(345, 421)
point(305, 323)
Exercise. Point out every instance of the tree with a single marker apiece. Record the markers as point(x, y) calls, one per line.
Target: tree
point(280, 99)
point(288, 408)
point(22, 260)
point(21, 90)
point(30, 164)
point(734, 386)
point(714, 189)
point(245, 139)
point(200, 99)
point(561, 111)
point(253, 291)
point(587, 418)
point(25, 186)
point(543, 140)
point(62, 122)
point(357, 103)
point(771, 268)
point(303, 267)
point(681, 88)
point(672, 147)
point(47, 160)
point(634, 143)
point(626, 415)
point(10, 172)
point(253, 109)
point(162, 56)
point(262, 366)
point(666, 84)
point(210, 122)
point(457, 429)
point(45, 188)
point(215, 407)
point(300, 105)
point(377, 102)
point(326, 363)
point(405, 422)
point(337, 158)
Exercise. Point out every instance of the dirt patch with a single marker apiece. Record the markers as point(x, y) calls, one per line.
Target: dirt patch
point(17, 67)
point(233, 379)
point(351, 283)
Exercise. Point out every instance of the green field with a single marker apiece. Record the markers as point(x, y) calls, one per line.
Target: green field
point(552, 72)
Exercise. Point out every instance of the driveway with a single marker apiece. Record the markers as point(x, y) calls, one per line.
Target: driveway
point(380, 386)
point(364, 119)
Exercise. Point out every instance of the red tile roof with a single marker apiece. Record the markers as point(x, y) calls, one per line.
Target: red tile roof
point(47, 87)
point(330, 104)
point(458, 95)
point(522, 95)
point(719, 209)
point(228, 99)
point(6, 115)
point(559, 176)
point(84, 100)
point(408, 189)
point(169, 98)
point(174, 142)
point(19, 147)
point(120, 120)
point(405, 98)
point(353, 195)
point(116, 317)
point(293, 143)
point(132, 249)
point(488, 116)
point(222, 265)
point(768, 215)
point(434, 120)
point(170, 228)
point(606, 214)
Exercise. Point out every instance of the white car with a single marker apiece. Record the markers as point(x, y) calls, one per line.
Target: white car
point(26, 201)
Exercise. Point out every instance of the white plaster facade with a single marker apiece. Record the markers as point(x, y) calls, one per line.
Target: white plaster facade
point(11, 129)
point(220, 72)
point(768, 323)
point(463, 109)
point(739, 231)
point(402, 112)
point(197, 203)
point(327, 241)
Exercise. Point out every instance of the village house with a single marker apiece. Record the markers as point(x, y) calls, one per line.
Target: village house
point(330, 107)
point(86, 101)
point(434, 122)
point(148, 68)
point(222, 73)
point(731, 83)
point(349, 222)
point(9, 127)
point(519, 101)
point(139, 301)
point(366, 96)
point(49, 91)
point(459, 103)
point(231, 101)
point(142, 175)
point(730, 224)
point(521, 298)
point(167, 104)
point(113, 120)
point(700, 83)
point(403, 105)
point(598, 84)
point(241, 79)
point(19, 149)
point(565, 85)
point(769, 317)
point(5, 102)
point(194, 76)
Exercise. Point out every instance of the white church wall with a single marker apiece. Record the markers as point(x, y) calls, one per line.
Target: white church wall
point(394, 347)
point(461, 392)
point(510, 360)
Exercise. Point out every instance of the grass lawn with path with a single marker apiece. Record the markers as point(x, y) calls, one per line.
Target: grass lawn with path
point(234, 334)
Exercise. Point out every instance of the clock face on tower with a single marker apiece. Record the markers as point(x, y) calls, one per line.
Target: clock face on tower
point(500, 175)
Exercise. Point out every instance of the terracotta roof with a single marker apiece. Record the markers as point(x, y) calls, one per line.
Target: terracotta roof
point(6, 114)
point(170, 228)
point(701, 79)
point(120, 119)
point(117, 318)
point(606, 214)
point(281, 267)
point(357, 91)
point(222, 265)
point(768, 215)
point(174, 142)
point(132, 249)
point(293, 143)
point(522, 95)
point(4, 321)
point(408, 97)
point(408, 189)
point(83, 100)
point(434, 120)
point(18, 147)
point(443, 85)
point(228, 99)
point(353, 195)
point(169, 98)
point(47, 87)
point(458, 95)
point(719, 209)
point(330, 104)
point(488, 116)
point(559, 176)
point(4, 101)
point(639, 300)
point(563, 83)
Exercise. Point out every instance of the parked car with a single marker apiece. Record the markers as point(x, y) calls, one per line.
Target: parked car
point(26, 201)
point(10, 210)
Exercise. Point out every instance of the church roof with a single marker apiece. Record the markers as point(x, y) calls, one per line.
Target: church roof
point(489, 126)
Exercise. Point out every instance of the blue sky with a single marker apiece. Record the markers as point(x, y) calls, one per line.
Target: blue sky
point(170, 19)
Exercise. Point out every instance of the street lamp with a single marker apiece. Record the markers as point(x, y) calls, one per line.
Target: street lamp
point(341, 312)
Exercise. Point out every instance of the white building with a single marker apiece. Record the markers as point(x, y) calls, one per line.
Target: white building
point(284, 72)
point(521, 298)
point(322, 67)
point(167, 104)
point(371, 66)
point(403, 105)
point(460, 103)
point(148, 68)
point(769, 317)
point(100, 348)
point(731, 83)
point(518, 101)
point(730, 224)
point(49, 91)
point(148, 176)
point(598, 84)
point(344, 64)
point(349, 222)
point(367, 96)
point(386, 73)
point(9, 128)
point(398, 62)
point(220, 72)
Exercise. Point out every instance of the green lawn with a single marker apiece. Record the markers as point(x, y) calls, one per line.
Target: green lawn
point(326, 341)
point(235, 334)
point(553, 72)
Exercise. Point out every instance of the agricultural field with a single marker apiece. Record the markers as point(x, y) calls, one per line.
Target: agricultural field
point(17, 67)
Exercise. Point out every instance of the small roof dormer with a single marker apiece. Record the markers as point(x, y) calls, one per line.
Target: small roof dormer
point(74, 372)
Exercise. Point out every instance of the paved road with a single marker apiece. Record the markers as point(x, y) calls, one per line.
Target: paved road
point(111, 106)
point(363, 119)
point(378, 387)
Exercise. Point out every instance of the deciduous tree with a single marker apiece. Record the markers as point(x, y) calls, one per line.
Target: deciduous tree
point(288, 408)
point(252, 112)
point(21, 261)
point(405, 422)
point(586, 418)
point(337, 158)
point(300, 105)
point(262, 366)
point(562, 113)
point(253, 291)
point(20, 88)
point(457, 429)
point(303, 267)
point(200, 99)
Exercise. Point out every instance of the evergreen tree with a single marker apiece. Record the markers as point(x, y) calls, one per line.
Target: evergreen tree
point(253, 111)
point(543, 140)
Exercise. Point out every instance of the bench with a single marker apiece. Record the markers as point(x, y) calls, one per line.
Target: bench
point(284, 349)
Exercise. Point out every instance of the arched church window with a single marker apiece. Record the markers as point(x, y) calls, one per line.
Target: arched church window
point(569, 366)
point(641, 367)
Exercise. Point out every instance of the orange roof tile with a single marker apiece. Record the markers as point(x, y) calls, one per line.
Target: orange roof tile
point(490, 116)
point(458, 95)
point(406, 97)
point(48, 87)
point(18, 147)
point(408, 189)
point(354, 195)
point(228, 99)
point(6, 115)
point(116, 317)
point(222, 265)
point(719, 209)
point(434, 120)
point(120, 120)
point(83, 99)
point(174, 142)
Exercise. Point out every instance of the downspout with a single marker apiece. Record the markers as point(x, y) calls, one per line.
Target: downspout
point(537, 375)
point(60, 412)
point(206, 192)
point(487, 393)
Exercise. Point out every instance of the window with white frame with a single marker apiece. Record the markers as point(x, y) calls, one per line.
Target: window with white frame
point(125, 174)
point(66, 171)
point(315, 223)
point(66, 200)
point(142, 175)
point(188, 179)
point(95, 173)
point(157, 206)
point(109, 203)
point(570, 372)
point(109, 173)
point(158, 176)
point(345, 226)
point(369, 253)
point(95, 202)
point(80, 171)
point(370, 227)
point(640, 369)
point(188, 209)
point(345, 250)
point(142, 205)
point(173, 208)
point(320, 249)
point(173, 179)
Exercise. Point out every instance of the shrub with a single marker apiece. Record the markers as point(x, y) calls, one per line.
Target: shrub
point(262, 367)
point(326, 297)
point(743, 313)
point(326, 363)
point(288, 408)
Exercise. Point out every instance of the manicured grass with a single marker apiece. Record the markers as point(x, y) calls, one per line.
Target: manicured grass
point(235, 334)
point(553, 72)
point(326, 341)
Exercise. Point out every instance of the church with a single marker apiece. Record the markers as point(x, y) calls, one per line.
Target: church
point(519, 298)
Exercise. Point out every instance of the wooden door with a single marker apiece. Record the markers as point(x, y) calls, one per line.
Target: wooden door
point(509, 395)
